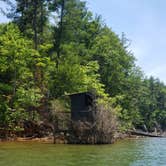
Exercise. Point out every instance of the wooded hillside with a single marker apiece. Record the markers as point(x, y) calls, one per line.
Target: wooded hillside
point(56, 47)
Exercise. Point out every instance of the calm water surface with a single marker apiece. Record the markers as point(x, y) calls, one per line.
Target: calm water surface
point(142, 152)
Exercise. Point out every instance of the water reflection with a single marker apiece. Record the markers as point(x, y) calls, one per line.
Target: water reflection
point(142, 152)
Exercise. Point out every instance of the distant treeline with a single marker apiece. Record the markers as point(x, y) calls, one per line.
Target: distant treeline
point(54, 47)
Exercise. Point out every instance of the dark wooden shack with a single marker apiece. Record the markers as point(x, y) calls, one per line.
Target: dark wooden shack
point(82, 106)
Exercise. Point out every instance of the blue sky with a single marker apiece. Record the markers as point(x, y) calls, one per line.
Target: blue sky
point(143, 22)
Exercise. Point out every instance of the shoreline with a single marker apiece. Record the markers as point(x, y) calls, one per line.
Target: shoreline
point(62, 140)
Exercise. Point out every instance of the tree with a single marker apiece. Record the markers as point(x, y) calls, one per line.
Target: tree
point(19, 90)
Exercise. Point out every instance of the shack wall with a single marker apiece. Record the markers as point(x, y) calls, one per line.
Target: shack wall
point(81, 107)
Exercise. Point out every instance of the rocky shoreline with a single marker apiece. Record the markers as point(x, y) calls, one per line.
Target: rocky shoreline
point(49, 139)
point(61, 138)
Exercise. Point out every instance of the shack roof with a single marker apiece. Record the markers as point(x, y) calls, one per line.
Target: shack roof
point(72, 94)
point(82, 93)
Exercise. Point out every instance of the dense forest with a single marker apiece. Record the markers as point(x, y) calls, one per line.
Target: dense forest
point(52, 48)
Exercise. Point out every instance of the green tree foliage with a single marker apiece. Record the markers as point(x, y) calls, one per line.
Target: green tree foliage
point(43, 58)
point(18, 90)
point(31, 17)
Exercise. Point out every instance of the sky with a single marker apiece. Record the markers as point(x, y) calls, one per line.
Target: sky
point(143, 22)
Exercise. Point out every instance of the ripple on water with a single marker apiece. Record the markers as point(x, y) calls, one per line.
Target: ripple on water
point(141, 152)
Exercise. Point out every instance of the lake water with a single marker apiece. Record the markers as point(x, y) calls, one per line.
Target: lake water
point(141, 152)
